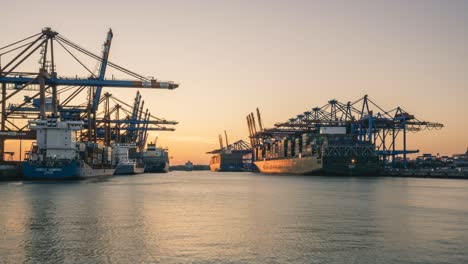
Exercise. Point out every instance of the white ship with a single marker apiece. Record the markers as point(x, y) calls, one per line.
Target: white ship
point(125, 163)
point(56, 155)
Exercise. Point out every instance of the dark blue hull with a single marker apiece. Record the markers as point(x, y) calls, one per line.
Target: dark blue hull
point(62, 170)
point(67, 170)
point(232, 167)
point(10, 171)
point(226, 167)
point(157, 167)
point(128, 169)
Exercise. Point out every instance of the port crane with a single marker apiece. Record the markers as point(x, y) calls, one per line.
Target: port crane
point(40, 89)
point(239, 146)
point(120, 122)
point(363, 118)
point(239, 150)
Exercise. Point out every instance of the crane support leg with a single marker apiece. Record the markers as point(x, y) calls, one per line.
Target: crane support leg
point(404, 145)
point(42, 95)
point(2, 140)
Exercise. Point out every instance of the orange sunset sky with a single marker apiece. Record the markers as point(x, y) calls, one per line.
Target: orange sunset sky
point(284, 57)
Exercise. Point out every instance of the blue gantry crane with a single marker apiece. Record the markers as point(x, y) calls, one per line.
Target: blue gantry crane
point(40, 89)
point(125, 123)
point(386, 129)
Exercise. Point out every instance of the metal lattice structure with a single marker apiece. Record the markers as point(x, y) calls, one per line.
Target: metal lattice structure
point(363, 118)
point(239, 146)
point(41, 89)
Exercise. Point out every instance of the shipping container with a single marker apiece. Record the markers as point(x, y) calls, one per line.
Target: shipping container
point(333, 130)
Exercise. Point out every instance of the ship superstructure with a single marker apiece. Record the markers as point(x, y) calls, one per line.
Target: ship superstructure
point(327, 151)
point(128, 159)
point(56, 154)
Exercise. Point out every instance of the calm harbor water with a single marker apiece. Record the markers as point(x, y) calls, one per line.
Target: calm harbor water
point(204, 217)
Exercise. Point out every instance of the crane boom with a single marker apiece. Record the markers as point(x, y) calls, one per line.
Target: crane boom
point(260, 125)
point(221, 142)
point(102, 71)
point(227, 142)
point(155, 84)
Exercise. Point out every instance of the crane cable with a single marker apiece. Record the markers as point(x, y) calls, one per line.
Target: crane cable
point(109, 63)
point(12, 44)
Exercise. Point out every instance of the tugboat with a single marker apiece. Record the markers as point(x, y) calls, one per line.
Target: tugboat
point(126, 164)
point(156, 160)
point(57, 156)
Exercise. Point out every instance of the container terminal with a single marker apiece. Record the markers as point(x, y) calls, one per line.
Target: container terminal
point(353, 138)
point(73, 137)
point(80, 131)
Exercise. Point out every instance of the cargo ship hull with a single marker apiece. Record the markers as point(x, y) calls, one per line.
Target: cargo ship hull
point(128, 169)
point(67, 170)
point(226, 167)
point(298, 166)
point(360, 167)
point(157, 167)
point(229, 161)
point(10, 171)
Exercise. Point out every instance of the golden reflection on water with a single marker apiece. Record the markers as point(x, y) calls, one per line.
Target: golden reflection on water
point(221, 217)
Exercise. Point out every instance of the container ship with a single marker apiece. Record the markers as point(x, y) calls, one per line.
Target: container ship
point(128, 159)
point(226, 160)
point(329, 151)
point(56, 155)
point(230, 158)
point(156, 160)
point(312, 147)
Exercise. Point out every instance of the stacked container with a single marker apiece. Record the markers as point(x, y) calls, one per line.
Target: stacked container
point(297, 146)
point(293, 147)
point(274, 152)
point(306, 144)
point(107, 157)
point(286, 146)
point(281, 149)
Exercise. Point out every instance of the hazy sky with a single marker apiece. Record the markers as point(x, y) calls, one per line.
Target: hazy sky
point(284, 57)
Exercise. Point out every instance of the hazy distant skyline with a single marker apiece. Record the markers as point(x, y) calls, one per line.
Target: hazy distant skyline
point(284, 57)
